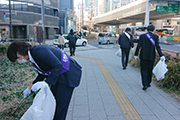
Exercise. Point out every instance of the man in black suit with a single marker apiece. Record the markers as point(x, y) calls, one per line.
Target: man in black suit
point(147, 43)
point(72, 42)
point(126, 42)
point(53, 65)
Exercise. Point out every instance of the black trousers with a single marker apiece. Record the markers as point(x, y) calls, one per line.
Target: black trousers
point(125, 56)
point(62, 94)
point(146, 71)
point(72, 49)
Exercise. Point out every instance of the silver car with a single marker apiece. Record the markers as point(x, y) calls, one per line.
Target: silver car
point(107, 38)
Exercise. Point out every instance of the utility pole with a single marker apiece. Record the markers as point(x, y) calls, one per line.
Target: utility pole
point(91, 15)
point(82, 22)
point(42, 17)
point(10, 24)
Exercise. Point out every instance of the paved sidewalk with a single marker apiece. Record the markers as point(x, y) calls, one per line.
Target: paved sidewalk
point(107, 92)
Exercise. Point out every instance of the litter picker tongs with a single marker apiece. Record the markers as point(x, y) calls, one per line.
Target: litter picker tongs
point(18, 106)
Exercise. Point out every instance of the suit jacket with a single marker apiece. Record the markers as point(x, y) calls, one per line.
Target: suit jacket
point(147, 51)
point(49, 58)
point(72, 39)
point(125, 42)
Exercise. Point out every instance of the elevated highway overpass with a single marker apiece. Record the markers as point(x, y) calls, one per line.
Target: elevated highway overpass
point(131, 13)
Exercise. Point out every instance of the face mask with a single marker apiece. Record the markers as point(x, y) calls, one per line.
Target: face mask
point(21, 61)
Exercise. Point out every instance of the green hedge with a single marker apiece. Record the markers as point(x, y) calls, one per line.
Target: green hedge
point(3, 49)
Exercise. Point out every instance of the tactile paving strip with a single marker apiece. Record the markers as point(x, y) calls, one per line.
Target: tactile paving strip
point(127, 109)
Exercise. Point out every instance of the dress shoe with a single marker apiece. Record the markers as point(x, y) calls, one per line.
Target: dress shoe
point(124, 68)
point(144, 88)
point(149, 85)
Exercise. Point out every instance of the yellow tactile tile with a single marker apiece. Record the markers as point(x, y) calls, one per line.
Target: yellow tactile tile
point(127, 109)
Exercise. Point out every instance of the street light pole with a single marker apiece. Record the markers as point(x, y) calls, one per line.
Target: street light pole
point(10, 24)
point(42, 17)
point(82, 19)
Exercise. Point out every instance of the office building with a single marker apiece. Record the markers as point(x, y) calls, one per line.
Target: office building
point(67, 16)
point(26, 19)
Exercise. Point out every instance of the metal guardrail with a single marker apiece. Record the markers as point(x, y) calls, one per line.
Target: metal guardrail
point(171, 51)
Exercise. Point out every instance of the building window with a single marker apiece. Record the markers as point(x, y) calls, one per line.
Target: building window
point(24, 6)
point(47, 11)
point(30, 7)
point(35, 8)
point(55, 12)
point(4, 4)
point(17, 5)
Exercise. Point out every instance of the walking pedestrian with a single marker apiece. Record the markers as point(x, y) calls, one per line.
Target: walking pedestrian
point(61, 42)
point(126, 42)
point(53, 65)
point(80, 34)
point(147, 43)
point(72, 42)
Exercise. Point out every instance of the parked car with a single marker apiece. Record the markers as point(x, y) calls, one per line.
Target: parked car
point(107, 38)
point(80, 41)
point(56, 39)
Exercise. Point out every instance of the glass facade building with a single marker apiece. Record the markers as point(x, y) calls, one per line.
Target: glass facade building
point(26, 18)
point(67, 16)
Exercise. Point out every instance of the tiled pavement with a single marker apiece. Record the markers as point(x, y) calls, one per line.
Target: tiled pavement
point(97, 98)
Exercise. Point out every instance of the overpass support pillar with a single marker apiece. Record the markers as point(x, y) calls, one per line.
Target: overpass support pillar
point(102, 29)
point(146, 22)
point(117, 29)
point(133, 24)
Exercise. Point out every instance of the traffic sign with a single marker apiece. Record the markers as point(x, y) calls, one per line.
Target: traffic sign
point(169, 37)
point(4, 13)
point(173, 8)
point(161, 9)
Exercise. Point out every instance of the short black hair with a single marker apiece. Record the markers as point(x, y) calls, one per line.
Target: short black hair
point(150, 27)
point(127, 29)
point(61, 34)
point(17, 46)
point(71, 30)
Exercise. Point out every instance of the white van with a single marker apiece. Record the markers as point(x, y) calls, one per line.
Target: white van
point(136, 31)
point(107, 38)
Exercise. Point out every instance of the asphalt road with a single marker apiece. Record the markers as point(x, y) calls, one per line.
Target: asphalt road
point(172, 45)
point(93, 44)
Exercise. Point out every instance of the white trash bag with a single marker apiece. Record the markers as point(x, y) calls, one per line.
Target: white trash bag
point(118, 52)
point(43, 106)
point(160, 69)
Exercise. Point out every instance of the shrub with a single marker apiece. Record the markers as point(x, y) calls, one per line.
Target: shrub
point(171, 82)
point(3, 49)
point(91, 37)
point(172, 77)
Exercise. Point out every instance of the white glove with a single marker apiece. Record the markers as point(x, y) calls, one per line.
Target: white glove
point(132, 49)
point(36, 86)
point(39, 85)
point(135, 57)
point(26, 92)
point(162, 58)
